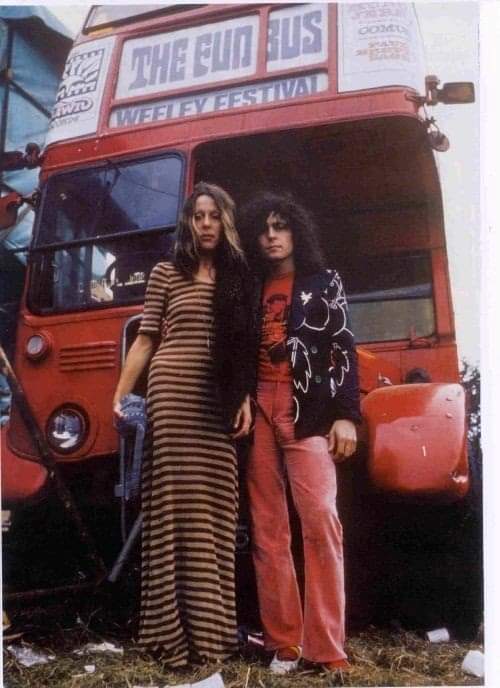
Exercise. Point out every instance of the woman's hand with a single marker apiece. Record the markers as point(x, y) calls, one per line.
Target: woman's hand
point(137, 359)
point(242, 420)
point(342, 440)
point(117, 411)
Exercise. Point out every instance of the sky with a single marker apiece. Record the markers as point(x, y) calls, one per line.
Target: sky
point(451, 42)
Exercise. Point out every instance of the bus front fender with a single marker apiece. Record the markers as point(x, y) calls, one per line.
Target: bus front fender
point(417, 440)
point(22, 479)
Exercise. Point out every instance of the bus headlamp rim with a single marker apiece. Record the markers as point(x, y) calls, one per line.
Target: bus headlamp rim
point(43, 348)
point(69, 440)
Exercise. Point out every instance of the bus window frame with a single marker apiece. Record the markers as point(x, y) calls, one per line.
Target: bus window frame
point(132, 303)
point(139, 157)
point(160, 11)
point(444, 332)
point(35, 250)
point(443, 304)
point(403, 342)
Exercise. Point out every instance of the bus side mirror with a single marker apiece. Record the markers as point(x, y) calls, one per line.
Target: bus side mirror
point(454, 93)
point(9, 205)
point(457, 92)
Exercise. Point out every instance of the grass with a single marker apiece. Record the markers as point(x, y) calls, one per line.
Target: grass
point(379, 657)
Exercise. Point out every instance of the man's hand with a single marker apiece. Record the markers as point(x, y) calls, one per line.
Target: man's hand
point(342, 440)
point(242, 420)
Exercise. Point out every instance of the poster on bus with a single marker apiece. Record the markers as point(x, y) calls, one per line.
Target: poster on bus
point(379, 44)
point(78, 103)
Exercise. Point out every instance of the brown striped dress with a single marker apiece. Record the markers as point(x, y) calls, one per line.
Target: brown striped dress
point(190, 488)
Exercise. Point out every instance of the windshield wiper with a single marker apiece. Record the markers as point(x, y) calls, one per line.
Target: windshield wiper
point(99, 239)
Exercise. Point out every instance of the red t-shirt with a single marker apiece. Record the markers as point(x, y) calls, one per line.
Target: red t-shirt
point(274, 365)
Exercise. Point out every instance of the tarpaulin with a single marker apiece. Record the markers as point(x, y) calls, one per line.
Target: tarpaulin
point(33, 48)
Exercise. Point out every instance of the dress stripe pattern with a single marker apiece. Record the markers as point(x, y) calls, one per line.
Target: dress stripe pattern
point(190, 487)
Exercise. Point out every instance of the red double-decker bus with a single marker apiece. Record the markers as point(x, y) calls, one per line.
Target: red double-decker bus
point(324, 101)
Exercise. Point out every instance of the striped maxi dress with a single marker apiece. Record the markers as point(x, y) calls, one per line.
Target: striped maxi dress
point(190, 487)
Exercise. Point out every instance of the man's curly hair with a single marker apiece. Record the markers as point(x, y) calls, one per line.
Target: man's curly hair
point(252, 221)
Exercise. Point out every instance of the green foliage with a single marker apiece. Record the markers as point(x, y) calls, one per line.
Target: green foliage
point(471, 380)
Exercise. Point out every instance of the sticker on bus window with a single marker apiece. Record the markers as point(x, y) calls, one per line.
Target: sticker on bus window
point(271, 91)
point(197, 55)
point(379, 45)
point(297, 37)
point(78, 102)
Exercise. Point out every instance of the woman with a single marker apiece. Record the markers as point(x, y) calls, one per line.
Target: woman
point(197, 404)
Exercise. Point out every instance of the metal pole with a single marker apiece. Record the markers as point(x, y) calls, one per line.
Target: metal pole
point(125, 550)
point(47, 592)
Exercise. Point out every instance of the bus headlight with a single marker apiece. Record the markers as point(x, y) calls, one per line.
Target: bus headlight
point(37, 346)
point(66, 429)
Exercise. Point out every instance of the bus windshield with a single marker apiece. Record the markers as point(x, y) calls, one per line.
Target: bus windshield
point(100, 232)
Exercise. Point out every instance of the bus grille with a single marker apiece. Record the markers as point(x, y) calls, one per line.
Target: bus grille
point(87, 356)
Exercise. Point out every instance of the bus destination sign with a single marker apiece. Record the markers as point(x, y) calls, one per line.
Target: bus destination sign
point(296, 37)
point(224, 99)
point(222, 51)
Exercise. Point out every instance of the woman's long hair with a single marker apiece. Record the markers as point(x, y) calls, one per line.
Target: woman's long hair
point(233, 346)
point(252, 221)
point(227, 253)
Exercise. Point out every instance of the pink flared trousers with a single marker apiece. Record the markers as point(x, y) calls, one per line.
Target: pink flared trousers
point(276, 456)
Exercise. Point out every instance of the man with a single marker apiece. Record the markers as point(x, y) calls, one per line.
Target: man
point(307, 408)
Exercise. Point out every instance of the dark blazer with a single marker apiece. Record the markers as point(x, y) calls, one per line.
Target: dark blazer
point(322, 354)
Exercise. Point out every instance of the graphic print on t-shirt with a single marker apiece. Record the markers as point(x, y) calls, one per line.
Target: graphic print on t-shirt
point(273, 358)
point(274, 327)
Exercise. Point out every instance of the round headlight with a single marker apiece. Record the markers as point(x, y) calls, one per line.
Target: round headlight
point(37, 346)
point(67, 429)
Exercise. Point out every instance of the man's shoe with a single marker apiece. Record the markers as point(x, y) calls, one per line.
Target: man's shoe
point(285, 659)
point(337, 666)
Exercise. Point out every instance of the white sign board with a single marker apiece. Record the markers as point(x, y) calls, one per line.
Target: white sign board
point(270, 91)
point(297, 36)
point(200, 55)
point(379, 45)
point(189, 57)
point(78, 103)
